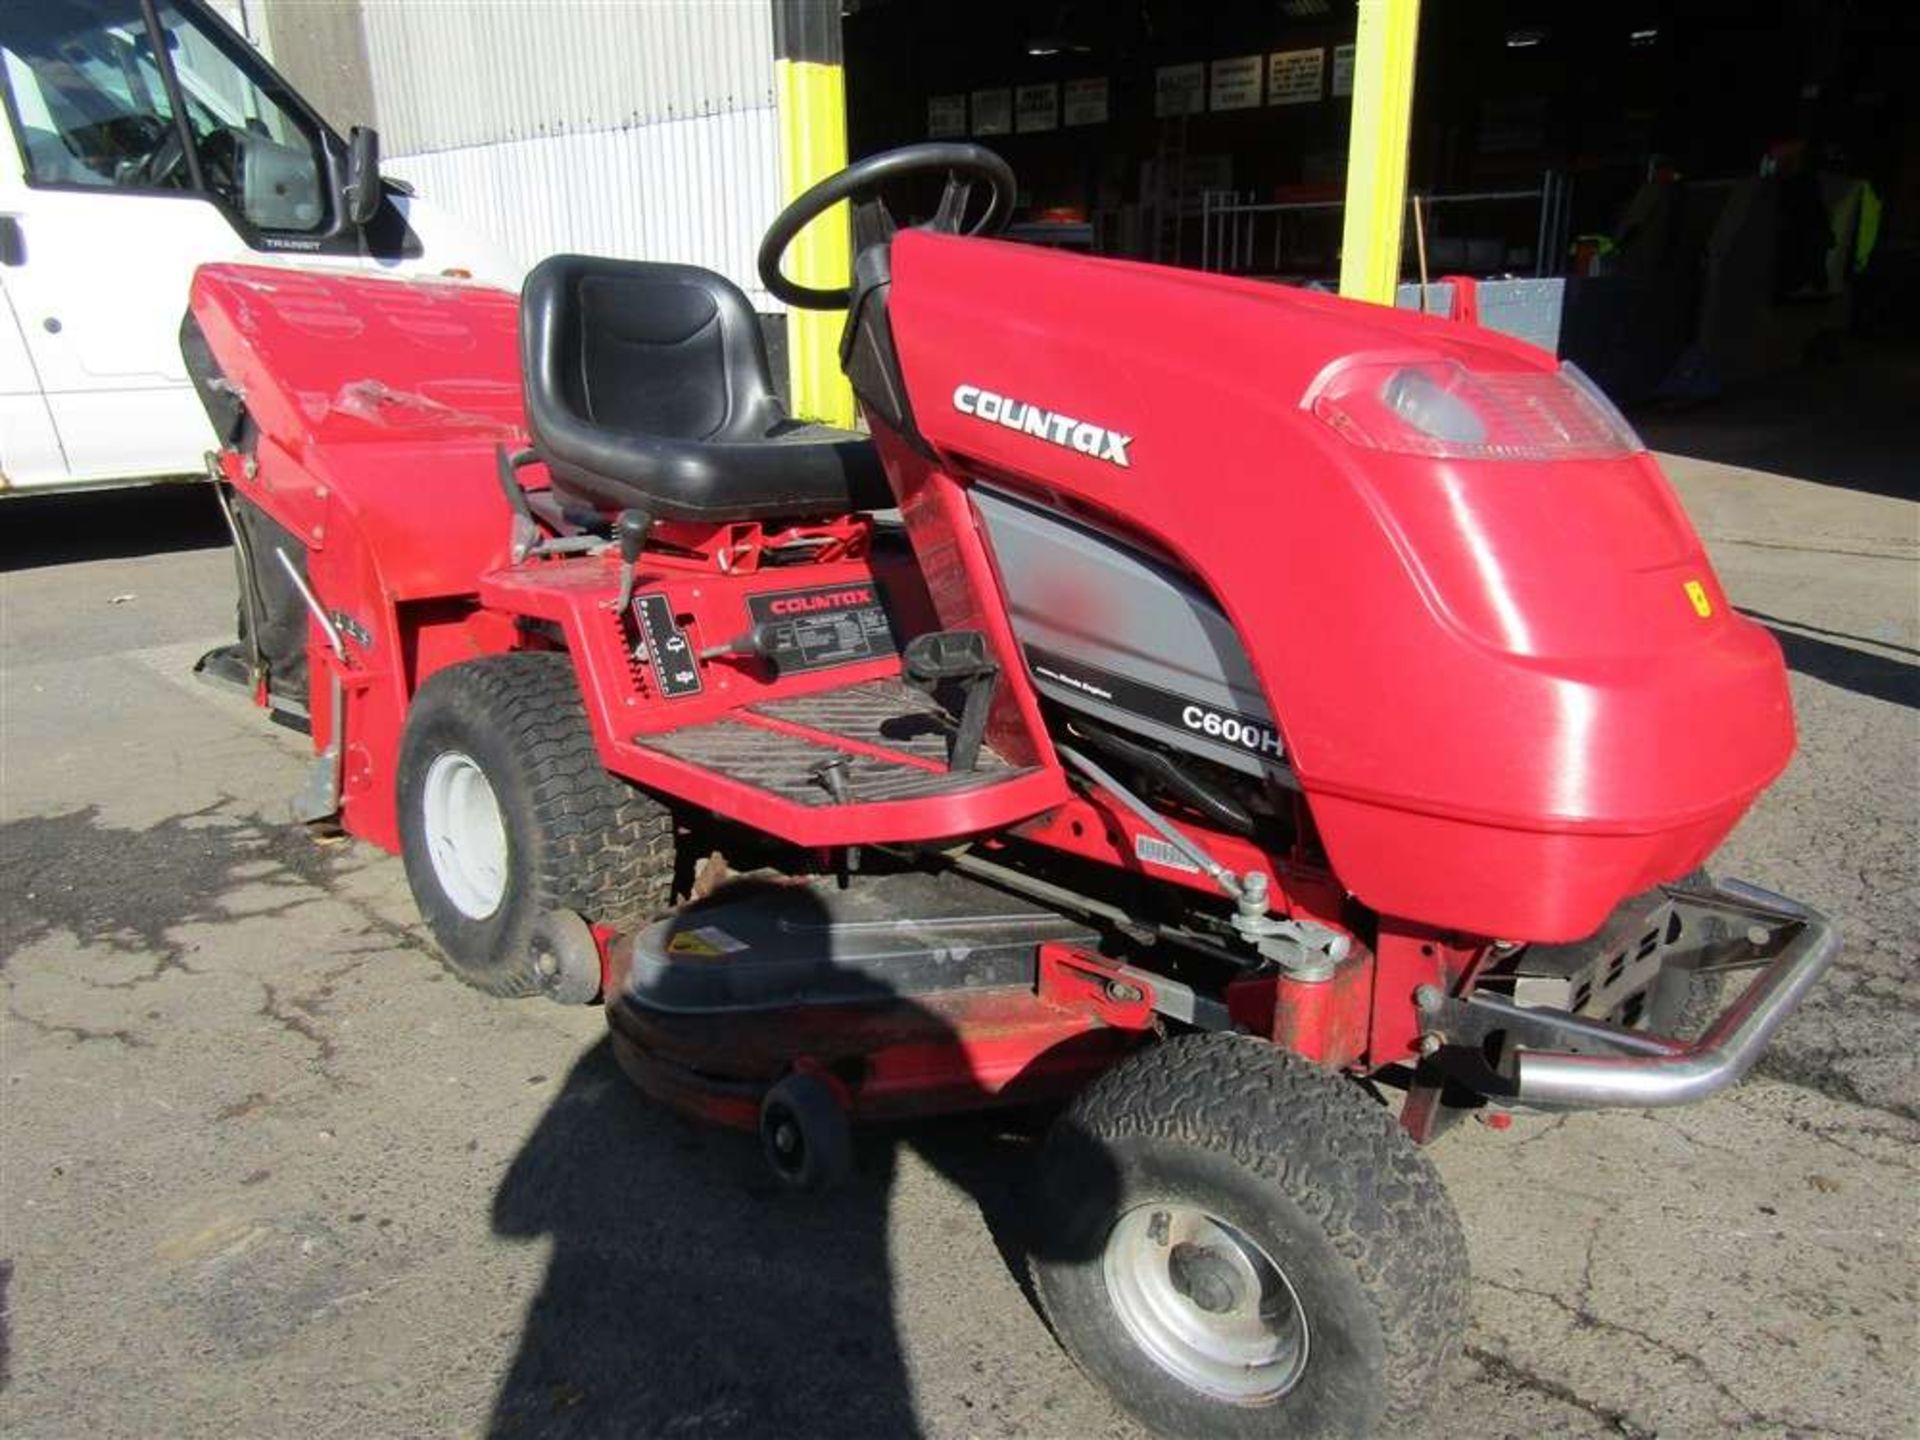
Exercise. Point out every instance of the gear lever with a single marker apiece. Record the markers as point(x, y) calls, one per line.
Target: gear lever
point(630, 529)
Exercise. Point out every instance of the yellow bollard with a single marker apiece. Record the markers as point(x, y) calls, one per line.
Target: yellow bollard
point(1377, 154)
point(810, 91)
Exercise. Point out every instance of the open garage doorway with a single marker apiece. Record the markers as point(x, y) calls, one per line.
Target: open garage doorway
point(1721, 200)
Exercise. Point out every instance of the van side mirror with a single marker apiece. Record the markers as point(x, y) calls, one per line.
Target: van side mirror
point(360, 195)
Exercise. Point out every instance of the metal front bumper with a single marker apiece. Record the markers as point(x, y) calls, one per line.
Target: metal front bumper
point(1551, 1058)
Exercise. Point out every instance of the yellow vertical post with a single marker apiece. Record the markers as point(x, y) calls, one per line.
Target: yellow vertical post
point(811, 95)
point(1377, 152)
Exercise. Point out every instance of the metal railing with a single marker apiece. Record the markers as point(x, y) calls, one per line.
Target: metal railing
point(1230, 222)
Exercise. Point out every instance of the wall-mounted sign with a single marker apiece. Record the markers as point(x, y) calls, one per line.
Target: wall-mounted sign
point(946, 116)
point(1036, 107)
point(1236, 83)
point(1343, 69)
point(992, 112)
point(1295, 77)
point(1085, 102)
point(1180, 89)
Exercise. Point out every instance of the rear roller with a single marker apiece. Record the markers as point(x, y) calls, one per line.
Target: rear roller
point(566, 958)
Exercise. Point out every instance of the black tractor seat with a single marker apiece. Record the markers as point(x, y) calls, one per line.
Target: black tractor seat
point(647, 388)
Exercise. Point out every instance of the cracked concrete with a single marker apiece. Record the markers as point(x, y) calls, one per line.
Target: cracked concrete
point(297, 1019)
point(1503, 1372)
point(78, 1033)
point(268, 1171)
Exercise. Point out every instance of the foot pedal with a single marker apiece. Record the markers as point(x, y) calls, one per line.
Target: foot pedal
point(957, 657)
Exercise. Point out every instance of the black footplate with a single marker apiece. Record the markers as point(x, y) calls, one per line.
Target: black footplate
point(811, 769)
point(773, 944)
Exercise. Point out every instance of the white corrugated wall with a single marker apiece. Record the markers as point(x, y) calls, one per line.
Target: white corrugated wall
point(640, 128)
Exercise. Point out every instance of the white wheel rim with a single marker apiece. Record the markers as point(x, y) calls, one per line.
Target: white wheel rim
point(1205, 1303)
point(466, 834)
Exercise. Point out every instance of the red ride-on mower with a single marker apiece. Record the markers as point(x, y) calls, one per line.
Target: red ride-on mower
point(1217, 704)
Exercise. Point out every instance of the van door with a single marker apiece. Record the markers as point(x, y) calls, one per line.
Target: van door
point(144, 152)
point(29, 447)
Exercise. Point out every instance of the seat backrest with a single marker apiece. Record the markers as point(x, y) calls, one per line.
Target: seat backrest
point(667, 350)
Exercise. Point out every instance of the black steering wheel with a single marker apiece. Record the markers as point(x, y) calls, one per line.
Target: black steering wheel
point(163, 162)
point(963, 164)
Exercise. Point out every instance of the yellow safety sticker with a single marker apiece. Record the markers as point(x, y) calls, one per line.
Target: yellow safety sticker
point(706, 942)
point(1697, 593)
point(689, 942)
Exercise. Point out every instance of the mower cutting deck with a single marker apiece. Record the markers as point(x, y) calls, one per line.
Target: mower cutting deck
point(1189, 699)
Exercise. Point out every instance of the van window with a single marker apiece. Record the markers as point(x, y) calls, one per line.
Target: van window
point(92, 107)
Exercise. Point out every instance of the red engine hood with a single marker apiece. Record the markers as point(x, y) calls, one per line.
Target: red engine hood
point(1496, 679)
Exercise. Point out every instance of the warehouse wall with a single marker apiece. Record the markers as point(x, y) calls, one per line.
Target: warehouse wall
point(328, 52)
point(614, 127)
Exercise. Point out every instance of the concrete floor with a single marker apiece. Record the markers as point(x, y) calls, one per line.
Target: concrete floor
point(267, 1171)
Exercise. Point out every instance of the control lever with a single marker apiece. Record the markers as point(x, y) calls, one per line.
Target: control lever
point(760, 641)
point(630, 529)
point(832, 776)
point(959, 656)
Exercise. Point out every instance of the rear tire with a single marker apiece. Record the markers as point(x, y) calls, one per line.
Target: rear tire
point(506, 813)
point(1235, 1242)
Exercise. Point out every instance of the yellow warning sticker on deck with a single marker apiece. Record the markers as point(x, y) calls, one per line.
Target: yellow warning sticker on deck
point(1697, 593)
point(708, 941)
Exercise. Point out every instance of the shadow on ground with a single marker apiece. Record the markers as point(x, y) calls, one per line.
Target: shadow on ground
point(690, 1292)
point(109, 525)
point(1848, 419)
point(1838, 659)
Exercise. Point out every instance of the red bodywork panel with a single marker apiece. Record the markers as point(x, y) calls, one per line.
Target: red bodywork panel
point(1502, 703)
point(625, 707)
point(380, 406)
point(966, 1050)
point(1504, 708)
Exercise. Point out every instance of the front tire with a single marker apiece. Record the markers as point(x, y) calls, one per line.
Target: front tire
point(507, 814)
point(1235, 1242)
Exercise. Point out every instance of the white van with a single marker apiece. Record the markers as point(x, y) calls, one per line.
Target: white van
point(147, 138)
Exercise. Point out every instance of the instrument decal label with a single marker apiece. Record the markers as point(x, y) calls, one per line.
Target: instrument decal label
point(1254, 734)
point(825, 625)
point(672, 657)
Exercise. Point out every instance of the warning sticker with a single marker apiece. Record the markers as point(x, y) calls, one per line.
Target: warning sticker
point(1155, 851)
point(707, 941)
point(826, 625)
